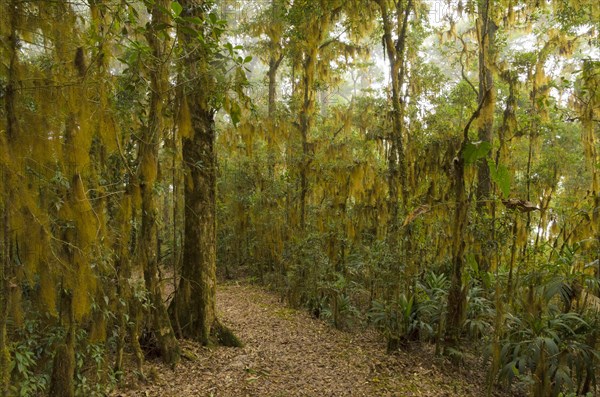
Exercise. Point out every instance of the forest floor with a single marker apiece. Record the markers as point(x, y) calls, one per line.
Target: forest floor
point(288, 353)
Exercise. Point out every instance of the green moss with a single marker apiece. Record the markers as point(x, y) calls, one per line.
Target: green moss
point(63, 371)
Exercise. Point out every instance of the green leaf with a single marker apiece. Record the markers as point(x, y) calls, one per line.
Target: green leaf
point(194, 20)
point(475, 151)
point(500, 176)
point(177, 8)
point(248, 59)
point(187, 30)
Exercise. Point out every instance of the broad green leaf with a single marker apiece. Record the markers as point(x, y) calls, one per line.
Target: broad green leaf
point(194, 20)
point(177, 8)
point(188, 30)
point(475, 151)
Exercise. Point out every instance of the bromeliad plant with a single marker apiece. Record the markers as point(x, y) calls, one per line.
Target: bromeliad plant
point(549, 352)
point(397, 320)
point(414, 316)
point(545, 345)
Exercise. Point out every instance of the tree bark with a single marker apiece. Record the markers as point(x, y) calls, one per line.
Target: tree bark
point(456, 307)
point(4, 297)
point(306, 114)
point(395, 50)
point(63, 368)
point(194, 302)
point(274, 63)
point(147, 173)
point(5, 254)
point(486, 37)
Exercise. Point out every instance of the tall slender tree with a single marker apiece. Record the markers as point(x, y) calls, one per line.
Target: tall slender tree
point(395, 48)
point(486, 36)
point(8, 37)
point(149, 144)
point(194, 302)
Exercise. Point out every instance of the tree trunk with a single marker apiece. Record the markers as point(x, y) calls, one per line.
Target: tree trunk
point(396, 160)
point(4, 293)
point(274, 63)
point(275, 58)
point(147, 173)
point(63, 368)
point(588, 109)
point(486, 36)
point(5, 254)
point(195, 299)
point(457, 296)
point(456, 307)
point(306, 115)
point(194, 302)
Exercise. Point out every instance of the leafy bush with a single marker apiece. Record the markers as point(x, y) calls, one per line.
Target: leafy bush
point(480, 313)
point(544, 344)
point(33, 355)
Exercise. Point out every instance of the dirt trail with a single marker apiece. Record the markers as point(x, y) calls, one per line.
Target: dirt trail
point(288, 353)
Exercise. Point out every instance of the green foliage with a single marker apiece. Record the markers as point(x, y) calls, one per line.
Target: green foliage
point(307, 169)
point(545, 344)
point(27, 382)
point(475, 151)
point(33, 357)
point(177, 8)
point(93, 375)
point(433, 303)
point(305, 272)
point(480, 313)
point(336, 303)
point(398, 320)
point(547, 350)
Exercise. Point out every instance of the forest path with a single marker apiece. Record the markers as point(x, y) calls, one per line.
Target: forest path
point(289, 353)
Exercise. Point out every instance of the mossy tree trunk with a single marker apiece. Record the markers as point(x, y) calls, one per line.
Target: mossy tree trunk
point(395, 50)
point(4, 299)
point(194, 302)
point(63, 368)
point(195, 299)
point(10, 37)
point(307, 109)
point(589, 109)
point(486, 36)
point(147, 173)
point(457, 295)
point(276, 53)
point(5, 285)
